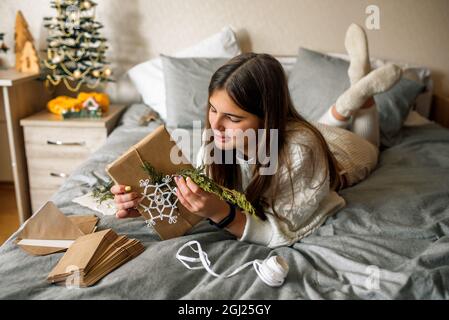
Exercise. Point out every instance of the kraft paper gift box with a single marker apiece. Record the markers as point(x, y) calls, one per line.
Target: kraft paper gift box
point(128, 170)
point(50, 231)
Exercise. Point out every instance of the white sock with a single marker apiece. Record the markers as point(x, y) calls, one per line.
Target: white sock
point(356, 44)
point(329, 119)
point(376, 81)
point(366, 124)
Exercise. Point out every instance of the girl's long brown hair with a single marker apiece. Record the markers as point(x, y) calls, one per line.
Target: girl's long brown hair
point(257, 84)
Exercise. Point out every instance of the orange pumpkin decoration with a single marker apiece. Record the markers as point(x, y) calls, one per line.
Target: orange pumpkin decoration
point(64, 103)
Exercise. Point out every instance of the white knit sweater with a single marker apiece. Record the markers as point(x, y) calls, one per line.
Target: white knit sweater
point(298, 213)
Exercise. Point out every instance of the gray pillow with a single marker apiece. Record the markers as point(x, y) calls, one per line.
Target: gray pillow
point(135, 114)
point(394, 107)
point(317, 80)
point(186, 88)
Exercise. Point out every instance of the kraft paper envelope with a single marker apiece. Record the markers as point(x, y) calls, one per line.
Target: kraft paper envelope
point(87, 224)
point(50, 231)
point(81, 254)
point(93, 256)
point(127, 170)
point(122, 253)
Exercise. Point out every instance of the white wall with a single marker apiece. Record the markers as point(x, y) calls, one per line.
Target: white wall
point(416, 31)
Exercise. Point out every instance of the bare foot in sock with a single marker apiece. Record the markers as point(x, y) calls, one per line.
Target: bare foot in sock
point(356, 45)
point(377, 81)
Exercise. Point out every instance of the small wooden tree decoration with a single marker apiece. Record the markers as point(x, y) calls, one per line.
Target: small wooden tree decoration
point(29, 60)
point(22, 35)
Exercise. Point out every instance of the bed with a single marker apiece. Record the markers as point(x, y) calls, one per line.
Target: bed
point(391, 241)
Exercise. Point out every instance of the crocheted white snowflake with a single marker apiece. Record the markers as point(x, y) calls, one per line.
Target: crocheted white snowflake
point(161, 196)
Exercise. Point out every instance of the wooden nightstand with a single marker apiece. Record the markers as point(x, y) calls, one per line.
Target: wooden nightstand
point(22, 95)
point(55, 147)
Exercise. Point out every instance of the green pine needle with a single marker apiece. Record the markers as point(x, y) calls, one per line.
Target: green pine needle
point(102, 191)
point(207, 184)
point(155, 176)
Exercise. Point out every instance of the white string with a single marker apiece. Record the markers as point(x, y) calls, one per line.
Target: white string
point(272, 270)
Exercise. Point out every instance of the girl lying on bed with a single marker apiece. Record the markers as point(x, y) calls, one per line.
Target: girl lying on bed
point(314, 160)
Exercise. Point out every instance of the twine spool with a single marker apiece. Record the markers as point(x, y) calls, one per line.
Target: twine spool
point(272, 271)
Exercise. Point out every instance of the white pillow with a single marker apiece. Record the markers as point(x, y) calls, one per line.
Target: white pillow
point(148, 77)
point(414, 119)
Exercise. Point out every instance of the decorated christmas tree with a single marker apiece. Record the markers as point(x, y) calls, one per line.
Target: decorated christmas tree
point(76, 50)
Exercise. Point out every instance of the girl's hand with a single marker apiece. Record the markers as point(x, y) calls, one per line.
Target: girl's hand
point(125, 202)
point(200, 202)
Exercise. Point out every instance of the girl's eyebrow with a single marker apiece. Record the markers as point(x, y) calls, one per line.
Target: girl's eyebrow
point(228, 114)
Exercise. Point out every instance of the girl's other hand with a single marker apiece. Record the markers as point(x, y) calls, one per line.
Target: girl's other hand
point(200, 202)
point(126, 202)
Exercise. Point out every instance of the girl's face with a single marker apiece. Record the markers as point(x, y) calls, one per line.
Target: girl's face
point(228, 120)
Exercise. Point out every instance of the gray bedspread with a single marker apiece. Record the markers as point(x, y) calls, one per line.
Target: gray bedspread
point(390, 242)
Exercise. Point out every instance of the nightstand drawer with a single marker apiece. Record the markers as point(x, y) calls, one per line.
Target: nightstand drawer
point(55, 147)
point(48, 173)
point(62, 142)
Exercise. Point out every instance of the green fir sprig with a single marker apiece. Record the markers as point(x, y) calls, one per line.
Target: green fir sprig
point(209, 185)
point(102, 190)
point(155, 176)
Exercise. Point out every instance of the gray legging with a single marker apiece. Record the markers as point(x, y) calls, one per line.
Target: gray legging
point(365, 123)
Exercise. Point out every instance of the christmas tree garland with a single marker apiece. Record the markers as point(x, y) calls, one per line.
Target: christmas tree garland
point(102, 191)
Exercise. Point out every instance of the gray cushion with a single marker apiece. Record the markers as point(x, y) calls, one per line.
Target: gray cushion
point(394, 107)
point(317, 80)
point(186, 82)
